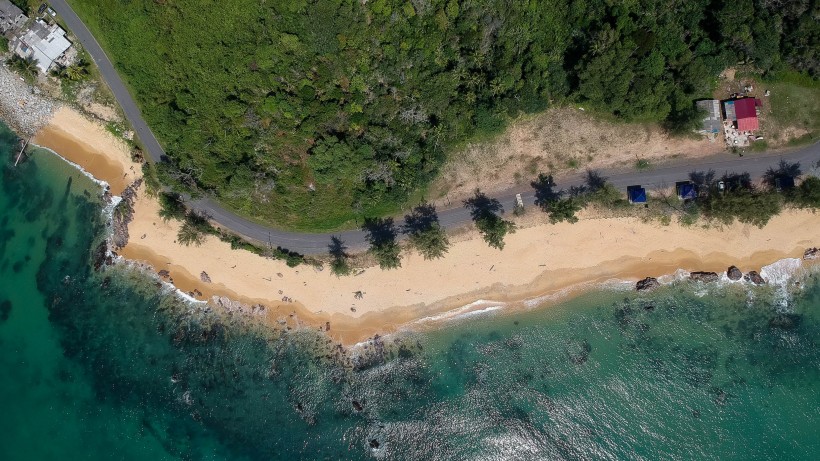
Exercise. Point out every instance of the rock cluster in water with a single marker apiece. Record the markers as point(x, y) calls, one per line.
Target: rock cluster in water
point(701, 276)
point(647, 284)
point(754, 277)
point(733, 273)
point(811, 253)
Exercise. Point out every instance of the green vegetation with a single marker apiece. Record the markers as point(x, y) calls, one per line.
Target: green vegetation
point(381, 235)
point(642, 164)
point(760, 146)
point(4, 44)
point(76, 72)
point(312, 113)
point(560, 205)
point(424, 232)
point(795, 104)
point(171, 206)
point(486, 212)
point(807, 195)
point(195, 227)
point(149, 177)
point(26, 68)
point(564, 210)
point(607, 196)
point(748, 206)
point(340, 259)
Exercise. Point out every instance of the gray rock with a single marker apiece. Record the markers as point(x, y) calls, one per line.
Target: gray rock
point(811, 253)
point(647, 284)
point(754, 277)
point(204, 277)
point(734, 273)
point(22, 109)
point(701, 276)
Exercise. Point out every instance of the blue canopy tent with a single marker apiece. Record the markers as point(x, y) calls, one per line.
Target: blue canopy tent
point(636, 194)
point(687, 191)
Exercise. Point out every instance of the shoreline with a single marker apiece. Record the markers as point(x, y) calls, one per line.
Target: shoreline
point(540, 265)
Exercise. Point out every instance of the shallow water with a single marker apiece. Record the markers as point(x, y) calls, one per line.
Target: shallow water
point(113, 366)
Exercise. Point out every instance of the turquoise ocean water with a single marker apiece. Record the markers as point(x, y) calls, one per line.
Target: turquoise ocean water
point(112, 366)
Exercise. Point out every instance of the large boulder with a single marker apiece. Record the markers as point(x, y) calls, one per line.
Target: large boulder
point(754, 277)
point(647, 284)
point(811, 253)
point(701, 276)
point(734, 273)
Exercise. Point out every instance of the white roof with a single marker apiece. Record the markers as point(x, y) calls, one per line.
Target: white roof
point(44, 44)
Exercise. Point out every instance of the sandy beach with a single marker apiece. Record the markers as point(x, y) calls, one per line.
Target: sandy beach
point(88, 144)
point(537, 261)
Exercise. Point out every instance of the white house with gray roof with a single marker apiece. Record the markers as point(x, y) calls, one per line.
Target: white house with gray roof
point(42, 43)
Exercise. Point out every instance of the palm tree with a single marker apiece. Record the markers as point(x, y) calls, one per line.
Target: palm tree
point(27, 66)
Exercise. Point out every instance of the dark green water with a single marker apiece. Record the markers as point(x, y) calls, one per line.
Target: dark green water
point(111, 366)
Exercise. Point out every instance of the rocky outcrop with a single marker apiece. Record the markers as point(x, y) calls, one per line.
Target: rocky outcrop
point(204, 277)
point(647, 284)
point(754, 277)
point(123, 214)
point(734, 273)
point(22, 106)
point(101, 257)
point(701, 276)
point(811, 253)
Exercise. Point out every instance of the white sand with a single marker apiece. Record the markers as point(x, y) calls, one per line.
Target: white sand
point(537, 260)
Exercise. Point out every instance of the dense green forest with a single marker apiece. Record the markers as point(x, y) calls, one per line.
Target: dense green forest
point(306, 114)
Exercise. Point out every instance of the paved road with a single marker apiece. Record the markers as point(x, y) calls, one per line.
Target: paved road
point(755, 165)
point(111, 77)
point(654, 178)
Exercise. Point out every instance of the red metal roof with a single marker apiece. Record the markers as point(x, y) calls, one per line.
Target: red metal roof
point(746, 114)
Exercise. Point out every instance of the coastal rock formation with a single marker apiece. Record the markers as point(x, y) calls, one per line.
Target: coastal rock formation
point(701, 276)
point(21, 106)
point(754, 277)
point(734, 273)
point(204, 277)
point(811, 253)
point(101, 257)
point(236, 307)
point(647, 284)
point(785, 321)
point(123, 214)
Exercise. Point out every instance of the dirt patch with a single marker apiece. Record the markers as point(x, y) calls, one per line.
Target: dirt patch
point(560, 140)
point(105, 113)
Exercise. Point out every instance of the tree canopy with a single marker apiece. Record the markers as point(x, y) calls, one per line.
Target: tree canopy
point(486, 214)
point(308, 112)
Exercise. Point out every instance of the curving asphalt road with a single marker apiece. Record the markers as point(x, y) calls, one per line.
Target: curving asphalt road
point(307, 243)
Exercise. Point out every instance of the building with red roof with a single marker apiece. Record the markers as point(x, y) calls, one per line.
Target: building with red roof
point(742, 113)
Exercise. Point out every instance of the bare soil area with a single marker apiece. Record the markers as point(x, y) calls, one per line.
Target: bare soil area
point(557, 141)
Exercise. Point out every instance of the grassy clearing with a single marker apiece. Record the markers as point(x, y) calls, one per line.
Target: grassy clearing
point(794, 109)
point(790, 115)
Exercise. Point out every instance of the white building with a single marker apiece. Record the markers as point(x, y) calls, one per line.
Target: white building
point(11, 17)
point(42, 43)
